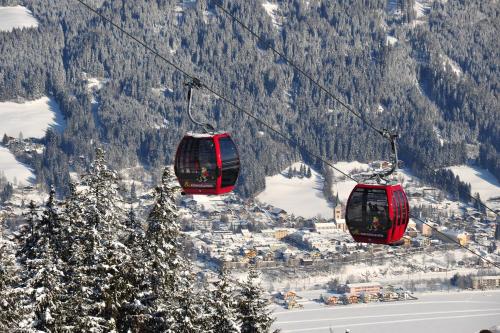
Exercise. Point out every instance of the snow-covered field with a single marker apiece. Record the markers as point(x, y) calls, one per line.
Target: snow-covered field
point(15, 172)
point(32, 118)
point(481, 181)
point(16, 17)
point(298, 196)
point(443, 312)
point(341, 185)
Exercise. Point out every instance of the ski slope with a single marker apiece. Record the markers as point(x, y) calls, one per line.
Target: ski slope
point(16, 17)
point(298, 196)
point(440, 312)
point(480, 180)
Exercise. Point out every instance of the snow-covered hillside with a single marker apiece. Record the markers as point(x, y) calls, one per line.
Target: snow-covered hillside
point(15, 172)
point(32, 118)
point(298, 196)
point(341, 185)
point(16, 17)
point(481, 181)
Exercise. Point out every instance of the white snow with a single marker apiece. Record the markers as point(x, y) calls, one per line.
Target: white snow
point(390, 40)
point(17, 173)
point(16, 17)
point(94, 83)
point(162, 90)
point(343, 185)
point(457, 312)
point(32, 118)
point(421, 8)
point(454, 66)
point(298, 196)
point(439, 136)
point(380, 108)
point(481, 181)
point(272, 10)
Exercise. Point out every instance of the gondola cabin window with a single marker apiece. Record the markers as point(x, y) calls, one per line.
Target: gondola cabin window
point(368, 213)
point(230, 161)
point(198, 164)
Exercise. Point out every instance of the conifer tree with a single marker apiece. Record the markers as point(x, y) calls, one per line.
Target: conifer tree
point(10, 310)
point(252, 307)
point(223, 307)
point(309, 173)
point(100, 281)
point(42, 274)
point(174, 304)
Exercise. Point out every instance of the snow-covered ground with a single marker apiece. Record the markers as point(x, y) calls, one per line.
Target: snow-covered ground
point(390, 40)
point(443, 312)
point(481, 181)
point(94, 83)
point(16, 17)
point(421, 8)
point(298, 196)
point(272, 10)
point(15, 172)
point(454, 66)
point(342, 185)
point(31, 118)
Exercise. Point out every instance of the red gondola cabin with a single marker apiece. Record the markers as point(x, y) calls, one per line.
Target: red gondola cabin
point(207, 163)
point(377, 213)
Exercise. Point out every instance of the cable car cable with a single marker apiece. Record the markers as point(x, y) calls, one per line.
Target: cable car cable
point(467, 194)
point(300, 70)
point(249, 114)
point(315, 82)
point(455, 241)
point(213, 91)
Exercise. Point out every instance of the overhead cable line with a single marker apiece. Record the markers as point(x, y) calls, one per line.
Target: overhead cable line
point(293, 64)
point(288, 138)
point(191, 77)
point(297, 68)
point(467, 194)
point(456, 241)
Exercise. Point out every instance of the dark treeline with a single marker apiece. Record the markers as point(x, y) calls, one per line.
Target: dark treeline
point(343, 44)
point(87, 265)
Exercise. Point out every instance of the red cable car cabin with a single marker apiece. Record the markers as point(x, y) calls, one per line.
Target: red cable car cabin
point(207, 163)
point(377, 213)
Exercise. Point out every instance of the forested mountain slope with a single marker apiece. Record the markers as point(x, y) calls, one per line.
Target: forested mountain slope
point(433, 74)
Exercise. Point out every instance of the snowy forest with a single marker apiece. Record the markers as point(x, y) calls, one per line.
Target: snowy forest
point(87, 264)
point(436, 82)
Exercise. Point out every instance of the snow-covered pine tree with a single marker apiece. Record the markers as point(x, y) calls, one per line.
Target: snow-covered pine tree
point(41, 276)
point(309, 173)
point(28, 234)
point(10, 310)
point(134, 316)
point(100, 280)
point(253, 310)
point(173, 304)
point(223, 307)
